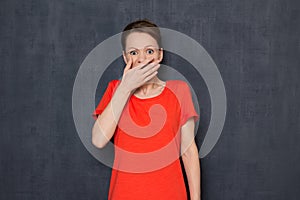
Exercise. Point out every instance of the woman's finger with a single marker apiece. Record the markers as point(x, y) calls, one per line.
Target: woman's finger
point(149, 67)
point(150, 76)
point(129, 65)
point(144, 63)
point(151, 70)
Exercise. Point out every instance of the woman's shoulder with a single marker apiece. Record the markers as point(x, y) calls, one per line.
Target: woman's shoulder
point(178, 87)
point(173, 82)
point(114, 82)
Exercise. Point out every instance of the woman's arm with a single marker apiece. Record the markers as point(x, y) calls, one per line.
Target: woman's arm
point(106, 123)
point(190, 159)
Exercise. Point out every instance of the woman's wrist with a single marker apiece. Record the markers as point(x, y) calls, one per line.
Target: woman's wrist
point(124, 88)
point(195, 196)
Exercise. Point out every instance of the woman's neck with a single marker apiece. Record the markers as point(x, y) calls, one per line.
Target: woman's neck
point(150, 87)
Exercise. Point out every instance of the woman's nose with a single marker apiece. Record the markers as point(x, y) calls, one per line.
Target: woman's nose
point(141, 56)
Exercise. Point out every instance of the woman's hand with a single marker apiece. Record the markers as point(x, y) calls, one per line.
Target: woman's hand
point(135, 77)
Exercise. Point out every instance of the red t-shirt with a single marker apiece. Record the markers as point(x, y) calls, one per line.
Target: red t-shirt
point(147, 143)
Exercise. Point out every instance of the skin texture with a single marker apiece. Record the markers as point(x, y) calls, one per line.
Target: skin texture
point(190, 158)
point(138, 40)
point(140, 79)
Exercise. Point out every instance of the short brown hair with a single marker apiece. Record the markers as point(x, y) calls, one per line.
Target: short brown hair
point(141, 26)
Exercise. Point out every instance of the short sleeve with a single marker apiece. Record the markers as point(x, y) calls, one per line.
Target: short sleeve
point(105, 98)
point(187, 106)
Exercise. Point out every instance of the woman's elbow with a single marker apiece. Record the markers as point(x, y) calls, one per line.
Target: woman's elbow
point(191, 151)
point(96, 139)
point(97, 144)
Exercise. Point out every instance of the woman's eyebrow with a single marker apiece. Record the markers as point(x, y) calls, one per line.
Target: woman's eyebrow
point(149, 46)
point(132, 48)
point(137, 48)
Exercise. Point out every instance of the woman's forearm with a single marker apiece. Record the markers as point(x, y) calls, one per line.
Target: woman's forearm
point(192, 168)
point(106, 123)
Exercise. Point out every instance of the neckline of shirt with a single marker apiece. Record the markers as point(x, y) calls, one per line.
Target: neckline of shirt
point(151, 98)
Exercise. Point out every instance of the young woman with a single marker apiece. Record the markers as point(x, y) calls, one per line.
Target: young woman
point(151, 123)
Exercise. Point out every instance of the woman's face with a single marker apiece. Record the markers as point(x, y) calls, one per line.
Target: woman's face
point(141, 46)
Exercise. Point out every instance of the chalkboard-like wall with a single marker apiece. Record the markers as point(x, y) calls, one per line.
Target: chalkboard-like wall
point(255, 45)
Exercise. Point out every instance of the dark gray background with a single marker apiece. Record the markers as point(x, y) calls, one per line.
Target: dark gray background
point(255, 45)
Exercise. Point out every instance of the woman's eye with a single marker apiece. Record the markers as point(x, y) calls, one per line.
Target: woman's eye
point(150, 51)
point(133, 53)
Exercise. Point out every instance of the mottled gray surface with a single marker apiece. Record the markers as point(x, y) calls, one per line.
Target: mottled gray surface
point(254, 43)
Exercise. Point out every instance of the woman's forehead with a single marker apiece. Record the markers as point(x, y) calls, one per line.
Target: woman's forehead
point(140, 40)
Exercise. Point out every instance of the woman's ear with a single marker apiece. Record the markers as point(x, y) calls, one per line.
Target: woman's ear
point(124, 56)
point(161, 54)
